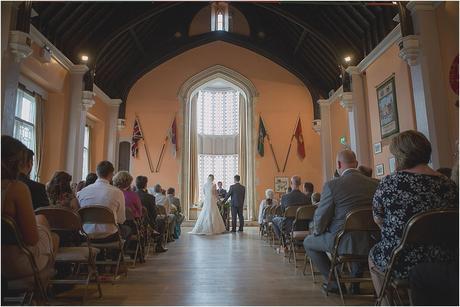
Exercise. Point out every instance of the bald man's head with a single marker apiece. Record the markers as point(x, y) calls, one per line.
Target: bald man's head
point(346, 159)
point(295, 182)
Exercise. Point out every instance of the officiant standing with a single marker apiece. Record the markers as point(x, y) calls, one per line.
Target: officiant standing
point(221, 192)
point(237, 193)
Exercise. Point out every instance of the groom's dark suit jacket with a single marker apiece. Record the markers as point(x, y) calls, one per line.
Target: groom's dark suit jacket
point(236, 192)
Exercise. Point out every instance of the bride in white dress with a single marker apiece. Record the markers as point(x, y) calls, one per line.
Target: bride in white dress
point(210, 221)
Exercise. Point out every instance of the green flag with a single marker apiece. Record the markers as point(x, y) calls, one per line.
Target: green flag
point(262, 135)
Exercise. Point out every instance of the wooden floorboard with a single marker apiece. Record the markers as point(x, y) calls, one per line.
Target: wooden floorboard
point(227, 269)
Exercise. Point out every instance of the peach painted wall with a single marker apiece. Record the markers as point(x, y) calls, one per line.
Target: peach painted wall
point(98, 121)
point(53, 78)
point(387, 64)
point(447, 16)
point(339, 128)
point(282, 97)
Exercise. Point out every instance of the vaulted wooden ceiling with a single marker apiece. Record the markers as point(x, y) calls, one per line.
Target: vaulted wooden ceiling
point(125, 40)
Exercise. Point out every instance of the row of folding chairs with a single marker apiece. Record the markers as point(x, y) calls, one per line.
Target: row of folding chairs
point(77, 250)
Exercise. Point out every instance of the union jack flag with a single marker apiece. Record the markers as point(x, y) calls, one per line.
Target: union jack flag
point(137, 136)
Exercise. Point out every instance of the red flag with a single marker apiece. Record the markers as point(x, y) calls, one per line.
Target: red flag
point(173, 137)
point(299, 137)
point(137, 136)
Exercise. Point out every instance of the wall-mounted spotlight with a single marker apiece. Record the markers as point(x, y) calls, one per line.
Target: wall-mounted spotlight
point(347, 59)
point(84, 58)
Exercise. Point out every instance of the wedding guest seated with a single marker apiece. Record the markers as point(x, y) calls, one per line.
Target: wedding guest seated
point(315, 198)
point(414, 188)
point(79, 186)
point(221, 192)
point(295, 197)
point(308, 189)
point(148, 201)
point(268, 201)
point(123, 180)
point(103, 194)
point(366, 171)
point(60, 193)
point(339, 196)
point(37, 190)
point(90, 179)
point(454, 176)
point(17, 205)
point(161, 200)
point(176, 210)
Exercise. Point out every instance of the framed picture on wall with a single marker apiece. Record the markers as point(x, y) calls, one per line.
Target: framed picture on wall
point(379, 170)
point(392, 163)
point(377, 148)
point(388, 111)
point(281, 184)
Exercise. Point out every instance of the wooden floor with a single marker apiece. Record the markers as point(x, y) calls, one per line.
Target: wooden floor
point(228, 269)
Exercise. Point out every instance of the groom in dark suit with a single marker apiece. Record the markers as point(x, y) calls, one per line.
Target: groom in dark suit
point(236, 192)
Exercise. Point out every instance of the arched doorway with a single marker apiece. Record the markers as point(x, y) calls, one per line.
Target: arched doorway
point(188, 96)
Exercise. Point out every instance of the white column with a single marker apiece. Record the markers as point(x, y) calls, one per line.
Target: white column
point(423, 54)
point(112, 131)
point(19, 47)
point(354, 102)
point(80, 102)
point(326, 139)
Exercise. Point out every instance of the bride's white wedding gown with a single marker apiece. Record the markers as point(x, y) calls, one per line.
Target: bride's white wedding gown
point(210, 221)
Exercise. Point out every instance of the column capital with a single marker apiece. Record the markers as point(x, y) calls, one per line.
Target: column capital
point(79, 69)
point(115, 102)
point(20, 45)
point(316, 125)
point(346, 101)
point(409, 49)
point(353, 70)
point(325, 102)
point(121, 123)
point(87, 100)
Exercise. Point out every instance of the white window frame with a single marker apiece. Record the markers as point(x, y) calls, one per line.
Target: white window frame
point(86, 146)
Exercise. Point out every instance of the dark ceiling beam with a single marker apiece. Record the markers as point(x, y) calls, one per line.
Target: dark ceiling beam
point(300, 41)
point(138, 44)
point(294, 19)
point(378, 12)
point(106, 71)
point(345, 27)
point(364, 24)
point(96, 27)
point(342, 34)
point(114, 53)
point(356, 28)
point(57, 18)
point(371, 19)
point(331, 70)
point(68, 20)
point(45, 14)
point(86, 28)
point(134, 22)
point(64, 38)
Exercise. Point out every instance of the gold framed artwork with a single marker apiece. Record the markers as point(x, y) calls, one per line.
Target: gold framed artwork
point(281, 184)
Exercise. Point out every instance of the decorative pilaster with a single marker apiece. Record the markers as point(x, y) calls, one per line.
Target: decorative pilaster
point(121, 124)
point(355, 103)
point(19, 48)
point(423, 54)
point(326, 139)
point(112, 131)
point(80, 102)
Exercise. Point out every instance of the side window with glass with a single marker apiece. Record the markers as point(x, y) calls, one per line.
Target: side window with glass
point(24, 122)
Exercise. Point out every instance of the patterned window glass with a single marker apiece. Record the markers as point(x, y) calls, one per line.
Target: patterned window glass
point(85, 153)
point(24, 122)
point(217, 115)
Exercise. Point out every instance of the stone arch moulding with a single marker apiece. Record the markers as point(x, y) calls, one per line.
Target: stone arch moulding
point(186, 93)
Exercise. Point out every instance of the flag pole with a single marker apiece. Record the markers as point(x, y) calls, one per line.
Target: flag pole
point(145, 145)
point(290, 143)
point(270, 143)
point(160, 158)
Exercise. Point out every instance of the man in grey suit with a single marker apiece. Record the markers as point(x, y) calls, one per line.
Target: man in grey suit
point(340, 195)
point(237, 193)
point(295, 197)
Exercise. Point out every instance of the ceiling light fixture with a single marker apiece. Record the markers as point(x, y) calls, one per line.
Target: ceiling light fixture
point(347, 59)
point(84, 58)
